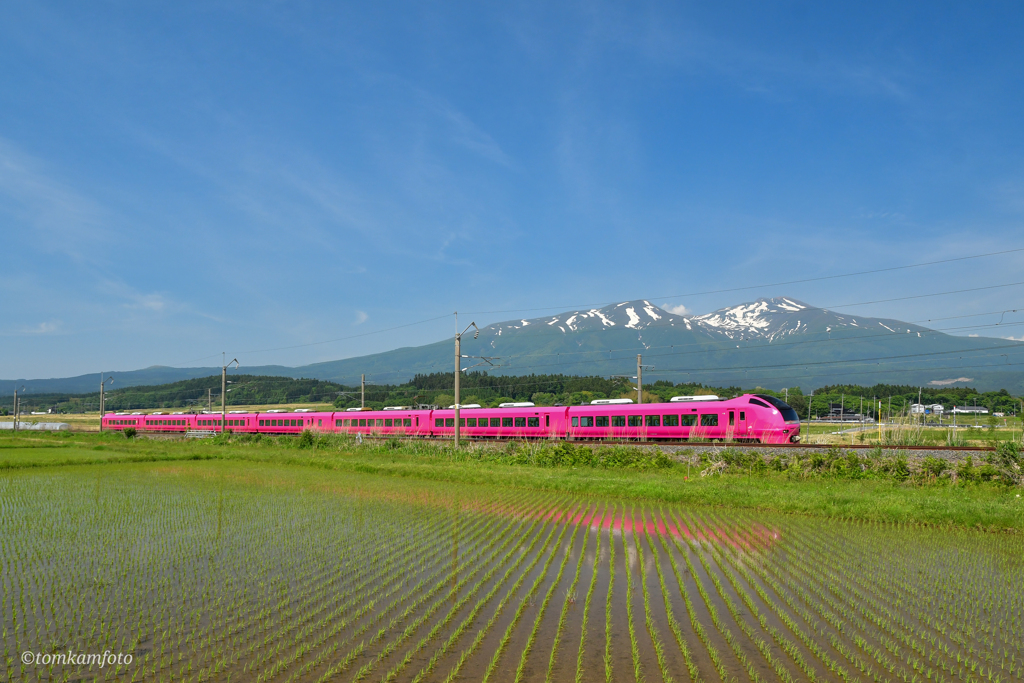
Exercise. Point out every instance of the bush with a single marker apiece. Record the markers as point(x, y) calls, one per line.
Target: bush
point(934, 467)
point(307, 439)
point(129, 433)
point(967, 471)
point(1009, 463)
point(896, 467)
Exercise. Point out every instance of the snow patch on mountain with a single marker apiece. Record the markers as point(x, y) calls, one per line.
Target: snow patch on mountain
point(649, 309)
point(633, 318)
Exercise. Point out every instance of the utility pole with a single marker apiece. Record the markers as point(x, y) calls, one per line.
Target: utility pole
point(458, 370)
point(879, 421)
point(224, 393)
point(639, 380)
point(362, 392)
point(102, 401)
point(920, 407)
point(16, 406)
point(209, 400)
point(809, 402)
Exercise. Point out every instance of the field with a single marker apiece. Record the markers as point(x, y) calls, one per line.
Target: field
point(225, 570)
point(270, 562)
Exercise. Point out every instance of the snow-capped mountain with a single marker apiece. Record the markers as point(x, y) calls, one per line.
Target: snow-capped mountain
point(781, 316)
point(763, 319)
point(771, 342)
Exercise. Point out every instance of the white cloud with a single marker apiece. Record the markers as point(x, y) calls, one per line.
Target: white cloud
point(361, 317)
point(678, 309)
point(1020, 338)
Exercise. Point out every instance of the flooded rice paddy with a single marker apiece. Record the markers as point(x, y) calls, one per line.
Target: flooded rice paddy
point(225, 571)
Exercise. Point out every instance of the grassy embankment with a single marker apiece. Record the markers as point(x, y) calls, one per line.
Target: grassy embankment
point(988, 505)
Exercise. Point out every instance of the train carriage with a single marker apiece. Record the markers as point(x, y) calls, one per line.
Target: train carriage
point(521, 422)
point(746, 418)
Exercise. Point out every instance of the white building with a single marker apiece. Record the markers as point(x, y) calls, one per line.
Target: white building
point(970, 410)
point(922, 409)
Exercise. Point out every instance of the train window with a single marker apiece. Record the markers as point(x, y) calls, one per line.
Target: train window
point(688, 420)
point(732, 419)
point(439, 422)
point(709, 420)
point(618, 420)
point(462, 422)
point(670, 420)
point(520, 422)
point(547, 420)
point(380, 422)
point(407, 422)
point(449, 422)
point(575, 422)
point(602, 421)
point(743, 416)
point(586, 421)
point(388, 423)
point(495, 421)
point(337, 423)
point(533, 422)
point(506, 422)
point(319, 423)
point(653, 420)
point(756, 402)
point(362, 422)
point(471, 422)
point(635, 420)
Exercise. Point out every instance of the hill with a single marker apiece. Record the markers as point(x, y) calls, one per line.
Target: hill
point(774, 342)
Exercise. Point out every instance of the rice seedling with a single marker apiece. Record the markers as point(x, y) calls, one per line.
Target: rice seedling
point(227, 571)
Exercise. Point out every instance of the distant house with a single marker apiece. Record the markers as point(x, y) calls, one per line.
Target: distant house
point(970, 410)
point(927, 409)
point(837, 409)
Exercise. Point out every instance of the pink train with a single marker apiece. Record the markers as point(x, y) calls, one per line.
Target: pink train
point(748, 418)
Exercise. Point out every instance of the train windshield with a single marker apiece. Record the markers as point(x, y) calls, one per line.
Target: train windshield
point(788, 414)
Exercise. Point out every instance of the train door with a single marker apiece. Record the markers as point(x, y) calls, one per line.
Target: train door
point(742, 427)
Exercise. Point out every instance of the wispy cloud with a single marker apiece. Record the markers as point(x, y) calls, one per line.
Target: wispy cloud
point(361, 317)
point(61, 218)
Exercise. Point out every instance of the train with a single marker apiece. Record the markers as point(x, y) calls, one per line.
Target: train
point(749, 418)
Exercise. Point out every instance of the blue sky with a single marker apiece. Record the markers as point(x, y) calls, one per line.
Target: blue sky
point(183, 180)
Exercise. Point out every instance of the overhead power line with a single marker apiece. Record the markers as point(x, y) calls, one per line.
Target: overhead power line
point(691, 294)
point(762, 286)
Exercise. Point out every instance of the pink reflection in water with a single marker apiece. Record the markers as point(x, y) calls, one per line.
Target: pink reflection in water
point(755, 537)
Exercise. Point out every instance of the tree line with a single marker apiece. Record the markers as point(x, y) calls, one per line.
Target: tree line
point(437, 389)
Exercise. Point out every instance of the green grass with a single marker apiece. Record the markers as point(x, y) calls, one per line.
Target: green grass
point(991, 506)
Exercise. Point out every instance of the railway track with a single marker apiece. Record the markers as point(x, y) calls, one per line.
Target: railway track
point(652, 442)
